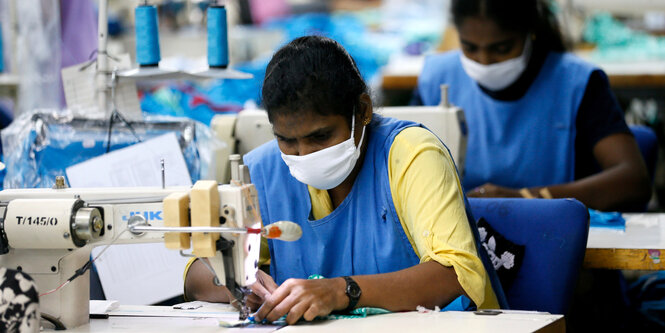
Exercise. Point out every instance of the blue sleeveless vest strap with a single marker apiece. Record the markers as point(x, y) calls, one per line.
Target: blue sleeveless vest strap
point(363, 235)
point(522, 143)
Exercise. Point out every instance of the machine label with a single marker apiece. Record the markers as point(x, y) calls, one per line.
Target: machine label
point(149, 215)
point(37, 220)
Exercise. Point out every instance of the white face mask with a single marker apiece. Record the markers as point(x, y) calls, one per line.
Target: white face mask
point(499, 75)
point(329, 167)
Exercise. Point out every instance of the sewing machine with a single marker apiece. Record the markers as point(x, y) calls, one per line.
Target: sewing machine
point(49, 233)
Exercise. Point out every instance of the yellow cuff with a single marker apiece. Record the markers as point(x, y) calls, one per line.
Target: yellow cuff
point(545, 193)
point(184, 277)
point(525, 193)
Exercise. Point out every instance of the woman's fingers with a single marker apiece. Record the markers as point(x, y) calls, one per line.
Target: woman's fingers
point(274, 300)
point(266, 281)
point(254, 301)
point(260, 290)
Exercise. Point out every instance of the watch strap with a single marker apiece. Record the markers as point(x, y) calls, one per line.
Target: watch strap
point(353, 292)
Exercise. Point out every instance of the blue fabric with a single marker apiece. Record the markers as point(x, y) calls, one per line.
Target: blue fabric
point(361, 236)
point(461, 303)
point(647, 141)
point(554, 233)
point(540, 125)
point(606, 220)
point(369, 51)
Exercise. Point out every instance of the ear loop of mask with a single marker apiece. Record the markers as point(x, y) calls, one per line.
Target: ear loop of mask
point(353, 125)
point(353, 130)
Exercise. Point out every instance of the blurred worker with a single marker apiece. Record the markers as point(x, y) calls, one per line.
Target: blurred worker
point(378, 200)
point(542, 122)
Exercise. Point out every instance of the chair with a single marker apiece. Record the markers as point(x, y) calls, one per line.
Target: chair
point(554, 233)
point(647, 141)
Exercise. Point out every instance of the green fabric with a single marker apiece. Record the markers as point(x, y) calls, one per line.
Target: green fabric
point(355, 313)
point(617, 42)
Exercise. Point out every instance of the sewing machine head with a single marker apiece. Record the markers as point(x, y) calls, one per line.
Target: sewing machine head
point(49, 233)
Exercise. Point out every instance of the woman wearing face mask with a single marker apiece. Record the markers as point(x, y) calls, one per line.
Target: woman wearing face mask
point(378, 200)
point(542, 122)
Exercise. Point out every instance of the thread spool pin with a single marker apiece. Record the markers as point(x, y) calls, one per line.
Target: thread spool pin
point(163, 173)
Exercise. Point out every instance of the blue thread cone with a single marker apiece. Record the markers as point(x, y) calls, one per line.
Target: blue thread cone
point(218, 44)
point(147, 36)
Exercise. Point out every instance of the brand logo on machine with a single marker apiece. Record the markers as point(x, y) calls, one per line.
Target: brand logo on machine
point(149, 215)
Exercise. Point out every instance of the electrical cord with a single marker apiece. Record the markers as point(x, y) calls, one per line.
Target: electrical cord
point(117, 116)
point(83, 268)
point(57, 324)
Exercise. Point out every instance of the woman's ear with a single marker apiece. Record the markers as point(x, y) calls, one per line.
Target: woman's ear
point(366, 109)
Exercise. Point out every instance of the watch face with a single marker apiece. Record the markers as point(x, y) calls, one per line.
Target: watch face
point(353, 290)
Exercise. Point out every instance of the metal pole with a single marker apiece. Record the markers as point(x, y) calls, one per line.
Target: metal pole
point(139, 228)
point(102, 58)
point(163, 174)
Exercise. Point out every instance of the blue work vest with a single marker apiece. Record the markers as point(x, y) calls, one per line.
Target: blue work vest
point(523, 143)
point(363, 235)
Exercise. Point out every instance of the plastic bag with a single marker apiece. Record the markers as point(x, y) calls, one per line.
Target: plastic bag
point(39, 145)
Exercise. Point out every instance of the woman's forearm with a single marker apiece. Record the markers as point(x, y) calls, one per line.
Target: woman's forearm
point(622, 183)
point(616, 188)
point(199, 285)
point(428, 284)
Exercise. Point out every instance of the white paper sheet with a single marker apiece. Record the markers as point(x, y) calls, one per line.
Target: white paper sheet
point(212, 310)
point(137, 273)
point(643, 231)
point(102, 307)
point(140, 273)
point(136, 165)
point(226, 318)
point(79, 84)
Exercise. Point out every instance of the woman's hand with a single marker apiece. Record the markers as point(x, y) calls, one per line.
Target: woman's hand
point(261, 290)
point(494, 191)
point(304, 298)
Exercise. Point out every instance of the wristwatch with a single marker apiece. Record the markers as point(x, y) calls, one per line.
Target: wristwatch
point(353, 292)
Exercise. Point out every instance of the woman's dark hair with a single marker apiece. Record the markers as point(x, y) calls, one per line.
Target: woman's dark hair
point(529, 16)
point(312, 73)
